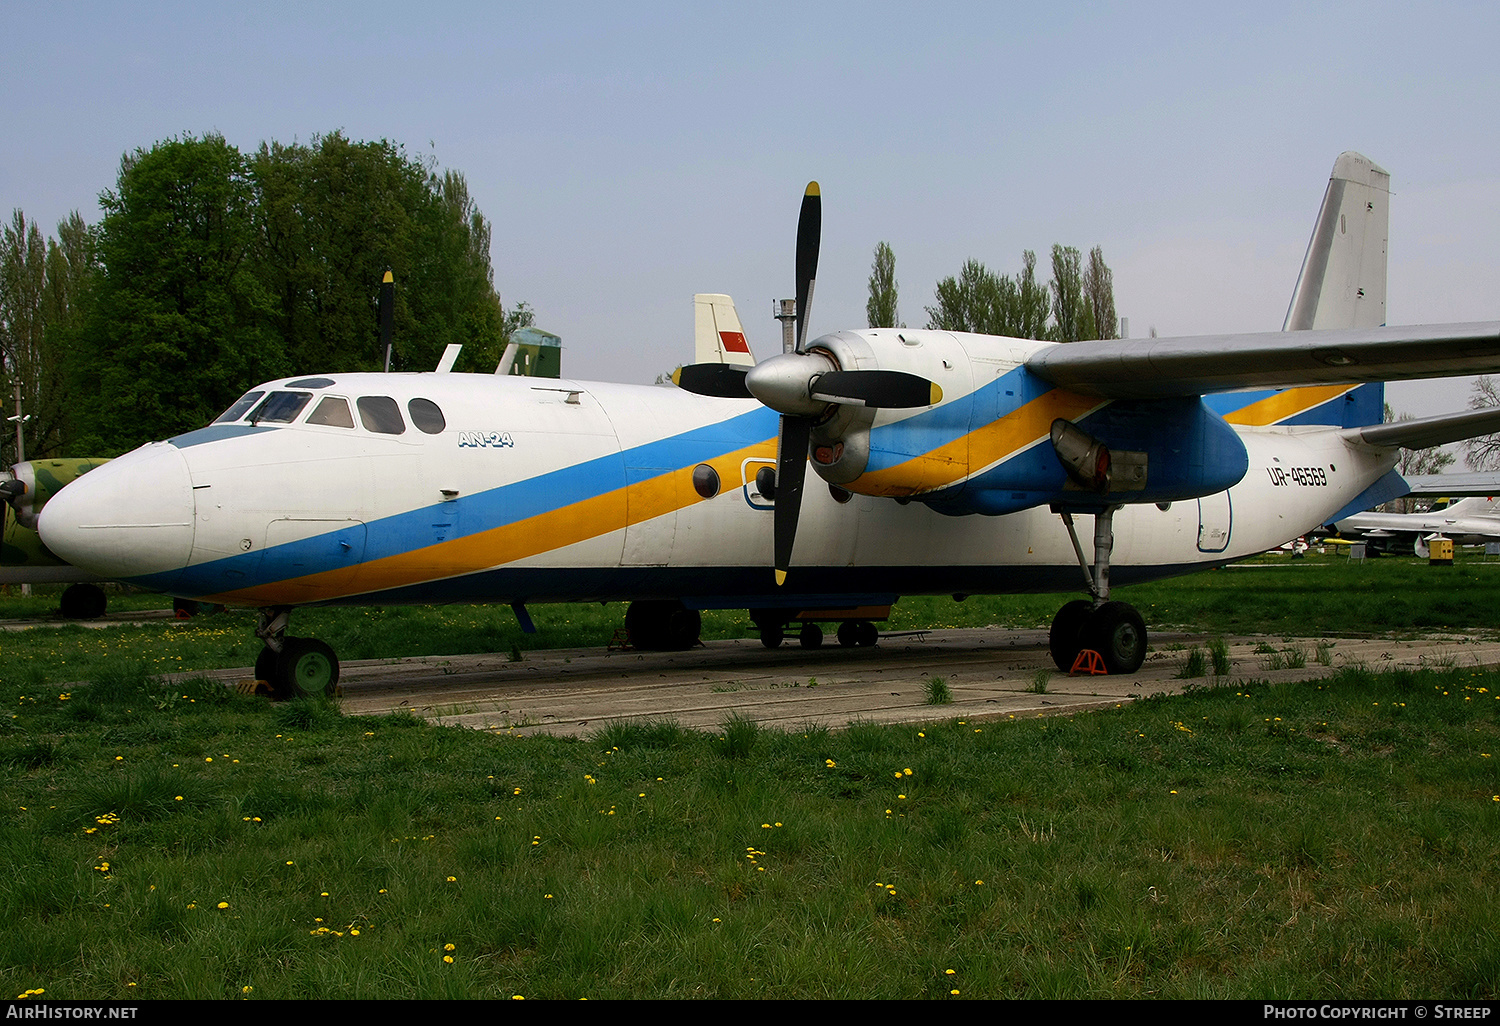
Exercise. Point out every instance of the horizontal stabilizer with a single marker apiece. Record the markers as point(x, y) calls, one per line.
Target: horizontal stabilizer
point(1200, 364)
point(1454, 484)
point(1426, 432)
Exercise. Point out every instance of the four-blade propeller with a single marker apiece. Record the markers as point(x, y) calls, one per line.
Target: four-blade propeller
point(801, 385)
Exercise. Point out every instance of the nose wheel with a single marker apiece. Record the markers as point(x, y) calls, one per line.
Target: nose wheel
point(293, 667)
point(304, 666)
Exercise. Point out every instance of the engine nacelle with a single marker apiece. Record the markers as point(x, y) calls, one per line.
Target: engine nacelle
point(27, 488)
point(992, 446)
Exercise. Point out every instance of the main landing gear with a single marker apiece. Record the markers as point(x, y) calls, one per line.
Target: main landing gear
point(662, 625)
point(1113, 629)
point(293, 666)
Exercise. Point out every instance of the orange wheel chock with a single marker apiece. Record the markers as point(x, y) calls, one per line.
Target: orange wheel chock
point(1089, 662)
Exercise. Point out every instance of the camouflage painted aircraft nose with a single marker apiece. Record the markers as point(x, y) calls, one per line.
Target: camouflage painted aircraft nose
point(131, 518)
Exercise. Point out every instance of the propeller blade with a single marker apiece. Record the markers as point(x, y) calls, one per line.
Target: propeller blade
point(11, 490)
point(791, 468)
point(809, 234)
point(387, 315)
point(720, 380)
point(880, 389)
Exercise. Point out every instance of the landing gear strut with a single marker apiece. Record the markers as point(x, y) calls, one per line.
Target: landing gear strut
point(1113, 629)
point(662, 626)
point(293, 666)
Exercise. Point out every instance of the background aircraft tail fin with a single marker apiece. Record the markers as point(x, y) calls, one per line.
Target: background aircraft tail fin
point(1342, 284)
point(717, 334)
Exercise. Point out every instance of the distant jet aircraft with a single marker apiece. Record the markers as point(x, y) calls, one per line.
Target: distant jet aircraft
point(1470, 521)
point(952, 464)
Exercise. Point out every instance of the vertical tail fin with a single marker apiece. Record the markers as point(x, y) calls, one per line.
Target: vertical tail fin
point(717, 334)
point(1342, 284)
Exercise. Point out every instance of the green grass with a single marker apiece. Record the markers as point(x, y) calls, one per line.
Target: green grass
point(1271, 595)
point(937, 692)
point(1332, 839)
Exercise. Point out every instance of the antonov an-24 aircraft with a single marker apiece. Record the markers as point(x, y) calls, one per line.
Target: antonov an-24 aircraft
point(949, 463)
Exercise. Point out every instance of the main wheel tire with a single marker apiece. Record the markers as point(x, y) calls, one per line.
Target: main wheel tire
point(662, 625)
point(1065, 639)
point(849, 633)
point(83, 602)
point(771, 635)
point(811, 636)
point(1117, 632)
point(265, 666)
point(307, 666)
point(867, 633)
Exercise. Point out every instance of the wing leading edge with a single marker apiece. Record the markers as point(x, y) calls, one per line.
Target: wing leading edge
point(1200, 364)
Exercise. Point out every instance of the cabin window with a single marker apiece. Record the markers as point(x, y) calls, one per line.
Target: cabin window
point(280, 407)
point(705, 480)
point(380, 414)
point(240, 408)
point(426, 416)
point(333, 411)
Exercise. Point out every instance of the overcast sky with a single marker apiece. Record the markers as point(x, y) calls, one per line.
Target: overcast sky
point(630, 155)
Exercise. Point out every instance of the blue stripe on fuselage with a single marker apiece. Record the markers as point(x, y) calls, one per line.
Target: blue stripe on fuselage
point(483, 511)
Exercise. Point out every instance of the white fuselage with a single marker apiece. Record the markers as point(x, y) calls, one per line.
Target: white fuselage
point(545, 490)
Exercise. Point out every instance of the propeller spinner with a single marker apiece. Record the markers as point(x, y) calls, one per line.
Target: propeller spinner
point(801, 385)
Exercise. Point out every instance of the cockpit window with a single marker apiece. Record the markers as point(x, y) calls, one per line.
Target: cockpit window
point(239, 409)
point(426, 416)
point(280, 408)
point(333, 411)
point(380, 414)
point(310, 383)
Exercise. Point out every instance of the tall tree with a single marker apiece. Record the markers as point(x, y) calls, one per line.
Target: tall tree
point(333, 215)
point(180, 324)
point(880, 309)
point(1068, 310)
point(974, 301)
point(1031, 301)
point(72, 278)
point(24, 358)
point(981, 301)
point(218, 270)
point(1099, 295)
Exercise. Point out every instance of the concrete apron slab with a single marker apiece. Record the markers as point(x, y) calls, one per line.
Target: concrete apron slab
point(990, 673)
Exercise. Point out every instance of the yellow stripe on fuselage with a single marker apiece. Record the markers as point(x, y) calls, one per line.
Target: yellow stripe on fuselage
point(1276, 408)
point(979, 449)
point(612, 511)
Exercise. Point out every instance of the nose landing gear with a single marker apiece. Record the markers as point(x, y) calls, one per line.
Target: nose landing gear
point(293, 666)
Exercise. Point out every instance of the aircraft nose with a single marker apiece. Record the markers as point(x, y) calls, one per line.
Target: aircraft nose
point(130, 518)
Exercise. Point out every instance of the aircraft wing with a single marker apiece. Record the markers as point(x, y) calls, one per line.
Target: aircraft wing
point(1156, 368)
